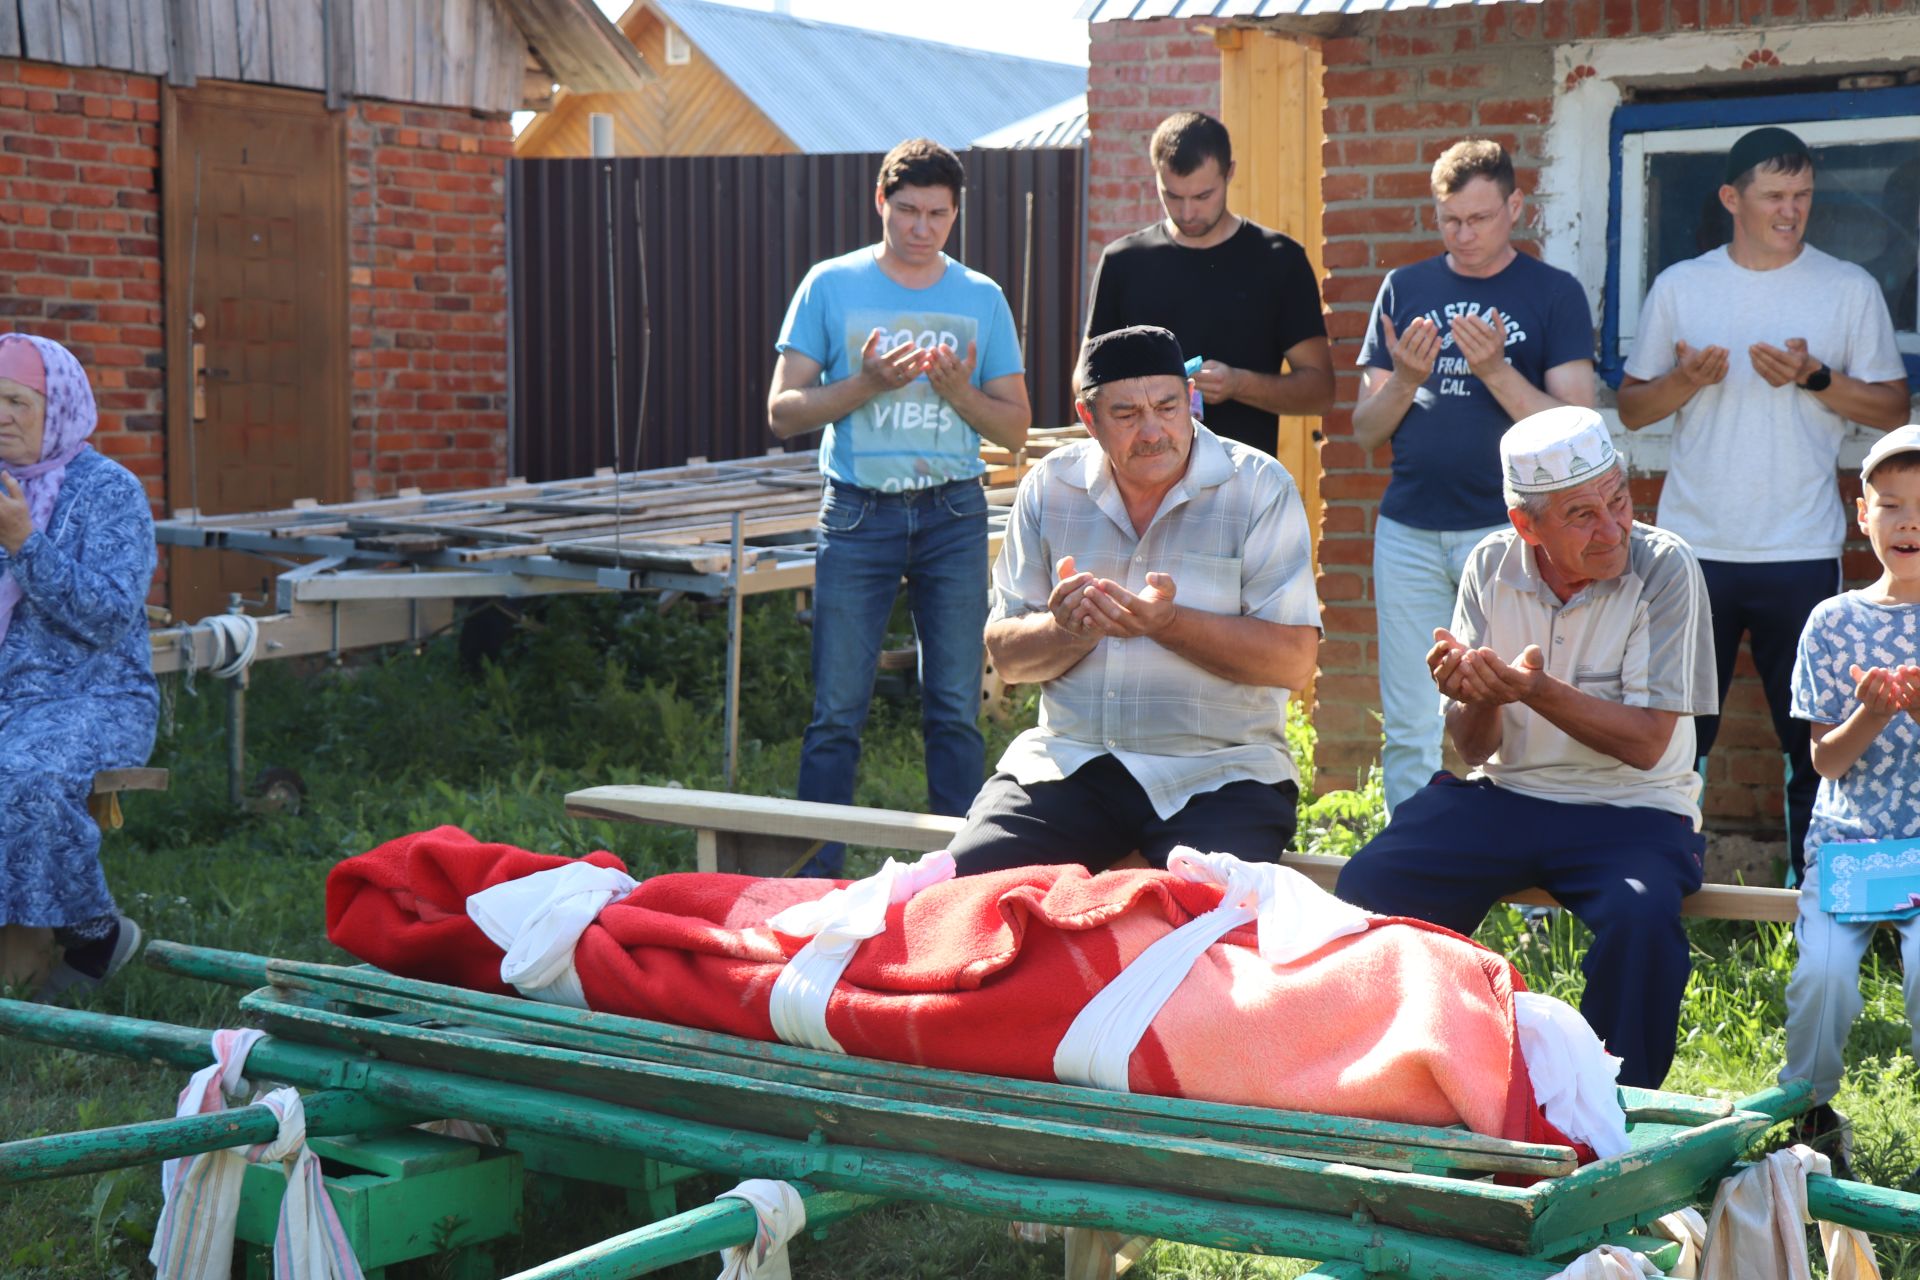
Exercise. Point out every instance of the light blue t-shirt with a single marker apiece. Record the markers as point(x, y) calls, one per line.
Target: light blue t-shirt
point(1879, 797)
point(907, 438)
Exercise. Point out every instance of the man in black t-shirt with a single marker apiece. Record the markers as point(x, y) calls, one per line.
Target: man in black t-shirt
point(1236, 294)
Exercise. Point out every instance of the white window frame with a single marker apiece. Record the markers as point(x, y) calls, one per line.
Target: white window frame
point(679, 48)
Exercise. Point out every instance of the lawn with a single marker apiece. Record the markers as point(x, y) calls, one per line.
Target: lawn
point(593, 691)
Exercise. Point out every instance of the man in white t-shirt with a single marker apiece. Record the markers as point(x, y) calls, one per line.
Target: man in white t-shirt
point(1765, 349)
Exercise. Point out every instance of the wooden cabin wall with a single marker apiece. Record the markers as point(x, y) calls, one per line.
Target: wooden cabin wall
point(689, 110)
point(454, 53)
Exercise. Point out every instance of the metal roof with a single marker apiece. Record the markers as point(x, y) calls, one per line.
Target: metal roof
point(837, 88)
point(1145, 10)
point(1064, 124)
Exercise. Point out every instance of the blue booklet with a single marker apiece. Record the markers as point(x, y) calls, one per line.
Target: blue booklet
point(1870, 880)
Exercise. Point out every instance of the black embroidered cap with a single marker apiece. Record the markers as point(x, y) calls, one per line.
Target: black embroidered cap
point(1138, 351)
point(1758, 146)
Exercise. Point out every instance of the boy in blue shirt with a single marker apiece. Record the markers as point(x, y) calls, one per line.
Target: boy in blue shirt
point(907, 358)
point(1856, 681)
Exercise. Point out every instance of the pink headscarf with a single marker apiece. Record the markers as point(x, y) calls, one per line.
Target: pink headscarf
point(71, 417)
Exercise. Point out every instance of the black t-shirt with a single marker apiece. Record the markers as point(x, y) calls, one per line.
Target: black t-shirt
point(1243, 302)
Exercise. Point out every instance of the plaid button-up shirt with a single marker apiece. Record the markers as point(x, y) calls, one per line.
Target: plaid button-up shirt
point(1232, 533)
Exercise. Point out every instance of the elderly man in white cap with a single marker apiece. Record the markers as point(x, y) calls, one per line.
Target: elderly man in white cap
point(1580, 650)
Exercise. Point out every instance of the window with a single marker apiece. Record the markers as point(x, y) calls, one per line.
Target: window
point(679, 52)
point(1668, 162)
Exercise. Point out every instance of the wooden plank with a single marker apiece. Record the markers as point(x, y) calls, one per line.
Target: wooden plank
point(396, 50)
point(222, 36)
point(923, 833)
point(113, 34)
point(76, 33)
point(428, 67)
point(369, 47)
point(40, 30)
point(149, 22)
point(337, 35)
point(253, 41)
point(299, 44)
point(183, 44)
point(457, 21)
point(112, 781)
point(9, 28)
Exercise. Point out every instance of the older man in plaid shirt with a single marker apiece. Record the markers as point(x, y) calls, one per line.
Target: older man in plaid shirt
point(1157, 583)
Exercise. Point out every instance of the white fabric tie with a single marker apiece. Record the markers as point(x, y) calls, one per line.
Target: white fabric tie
point(836, 925)
point(538, 919)
point(1757, 1230)
point(1295, 918)
point(194, 1237)
point(1573, 1074)
point(1609, 1262)
point(780, 1215)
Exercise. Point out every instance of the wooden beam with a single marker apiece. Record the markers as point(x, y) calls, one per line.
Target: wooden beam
point(9, 28)
point(923, 833)
point(183, 42)
point(337, 32)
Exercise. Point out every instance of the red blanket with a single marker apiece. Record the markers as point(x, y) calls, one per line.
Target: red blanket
point(1405, 1022)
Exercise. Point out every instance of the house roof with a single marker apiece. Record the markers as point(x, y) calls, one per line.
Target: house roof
point(833, 88)
point(580, 45)
point(1064, 124)
point(1147, 10)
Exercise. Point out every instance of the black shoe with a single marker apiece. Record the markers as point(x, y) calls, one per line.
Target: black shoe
point(1829, 1133)
point(67, 977)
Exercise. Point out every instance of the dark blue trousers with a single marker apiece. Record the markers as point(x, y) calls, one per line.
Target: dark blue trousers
point(1770, 602)
point(1456, 848)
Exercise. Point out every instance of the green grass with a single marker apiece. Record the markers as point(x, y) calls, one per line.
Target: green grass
point(594, 691)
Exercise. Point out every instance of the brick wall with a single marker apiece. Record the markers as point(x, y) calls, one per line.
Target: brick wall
point(1139, 74)
point(1399, 90)
point(80, 241)
point(80, 262)
point(428, 299)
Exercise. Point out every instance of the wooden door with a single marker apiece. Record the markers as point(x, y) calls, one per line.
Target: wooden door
point(254, 218)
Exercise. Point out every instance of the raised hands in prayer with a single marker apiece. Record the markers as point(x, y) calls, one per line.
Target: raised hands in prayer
point(1087, 605)
point(1481, 677)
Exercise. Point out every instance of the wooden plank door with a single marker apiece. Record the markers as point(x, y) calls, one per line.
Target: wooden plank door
point(254, 218)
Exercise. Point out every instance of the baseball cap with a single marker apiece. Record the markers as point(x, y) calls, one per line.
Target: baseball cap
point(1899, 440)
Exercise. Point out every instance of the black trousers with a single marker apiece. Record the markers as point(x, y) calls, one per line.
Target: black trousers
point(1098, 814)
point(1770, 603)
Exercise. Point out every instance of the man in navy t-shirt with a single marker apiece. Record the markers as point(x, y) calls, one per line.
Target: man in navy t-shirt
point(1459, 348)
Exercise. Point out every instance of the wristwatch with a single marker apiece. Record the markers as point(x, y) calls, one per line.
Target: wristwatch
point(1819, 380)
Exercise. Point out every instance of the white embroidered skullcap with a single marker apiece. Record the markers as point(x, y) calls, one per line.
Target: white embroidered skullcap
point(1556, 448)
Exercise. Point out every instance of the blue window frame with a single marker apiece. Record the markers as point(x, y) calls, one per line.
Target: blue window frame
point(1663, 207)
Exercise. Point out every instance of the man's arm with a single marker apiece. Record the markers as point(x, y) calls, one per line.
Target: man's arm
point(1386, 395)
point(1306, 389)
point(1034, 648)
point(1636, 736)
point(1244, 649)
point(1483, 343)
point(1644, 401)
point(997, 409)
point(799, 402)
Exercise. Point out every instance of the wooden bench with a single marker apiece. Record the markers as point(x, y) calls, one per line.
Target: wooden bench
point(768, 836)
point(104, 802)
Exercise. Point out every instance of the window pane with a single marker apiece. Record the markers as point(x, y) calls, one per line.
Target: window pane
point(1866, 209)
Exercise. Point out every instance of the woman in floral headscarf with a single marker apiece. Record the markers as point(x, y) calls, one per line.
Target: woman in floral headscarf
point(77, 693)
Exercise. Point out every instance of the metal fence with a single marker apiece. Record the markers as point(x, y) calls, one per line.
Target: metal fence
point(723, 242)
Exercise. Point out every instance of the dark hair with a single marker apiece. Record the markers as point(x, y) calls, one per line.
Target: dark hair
point(1894, 465)
point(921, 162)
point(1187, 139)
point(1793, 162)
point(1472, 158)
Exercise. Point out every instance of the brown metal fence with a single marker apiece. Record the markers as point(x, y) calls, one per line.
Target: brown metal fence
point(725, 241)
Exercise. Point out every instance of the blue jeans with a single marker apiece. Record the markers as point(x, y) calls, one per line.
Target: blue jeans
point(937, 539)
point(1416, 575)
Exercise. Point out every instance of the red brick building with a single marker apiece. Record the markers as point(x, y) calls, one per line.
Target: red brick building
point(278, 244)
point(1611, 108)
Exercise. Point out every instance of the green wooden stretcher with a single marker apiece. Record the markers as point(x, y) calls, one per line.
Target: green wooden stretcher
point(1367, 1198)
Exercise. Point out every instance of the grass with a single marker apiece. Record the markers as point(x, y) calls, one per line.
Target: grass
point(592, 691)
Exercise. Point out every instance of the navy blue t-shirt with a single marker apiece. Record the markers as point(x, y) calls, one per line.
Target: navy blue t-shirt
point(1446, 454)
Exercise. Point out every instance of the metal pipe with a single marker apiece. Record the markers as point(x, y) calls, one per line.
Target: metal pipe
point(730, 766)
point(237, 725)
point(707, 1229)
point(231, 968)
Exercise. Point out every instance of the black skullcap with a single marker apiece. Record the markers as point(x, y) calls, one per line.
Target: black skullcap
point(1761, 145)
point(1138, 351)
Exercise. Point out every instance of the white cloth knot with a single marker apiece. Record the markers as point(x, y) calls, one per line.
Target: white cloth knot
point(1757, 1230)
point(780, 1214)
point(194, 1237)
point(1295, 918)
point(538, 919)
point(836, 925)
point(1573, 1075)
point(1608, 1262)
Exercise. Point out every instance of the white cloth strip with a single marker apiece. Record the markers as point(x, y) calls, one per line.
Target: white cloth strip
point(1574, 1077)
point(194, 1237)
point(1295, 918)
point(1758, 1225)
point(538, 919)
point(836, 925)
point(1609, 1262)
point(780, 1215)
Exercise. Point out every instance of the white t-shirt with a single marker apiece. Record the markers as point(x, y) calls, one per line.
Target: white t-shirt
point(1752, 472)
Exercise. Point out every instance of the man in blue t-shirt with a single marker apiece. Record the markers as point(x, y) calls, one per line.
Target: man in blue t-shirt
point(907, 358)
point(1459, 348)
